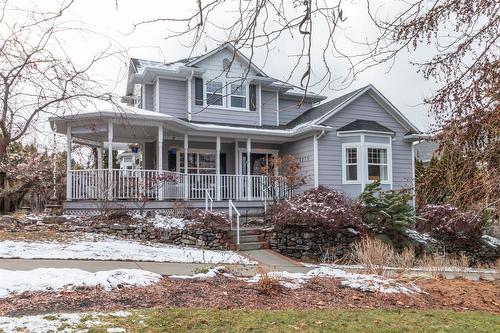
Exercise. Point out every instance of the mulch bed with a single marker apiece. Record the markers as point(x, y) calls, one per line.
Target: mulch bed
point(226, 293)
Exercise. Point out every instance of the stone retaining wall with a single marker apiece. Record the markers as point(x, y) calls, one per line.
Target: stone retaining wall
point(301, 243)
point(204, 238)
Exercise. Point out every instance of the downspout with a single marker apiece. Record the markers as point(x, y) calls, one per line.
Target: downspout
point(190, 102)
point(316, 158)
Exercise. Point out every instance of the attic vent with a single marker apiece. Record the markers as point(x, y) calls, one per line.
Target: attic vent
point(226, 64)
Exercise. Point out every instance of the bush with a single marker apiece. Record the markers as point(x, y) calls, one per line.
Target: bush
point(317, 208)
point(386, 210)
point(208, 220)
point(447, 221)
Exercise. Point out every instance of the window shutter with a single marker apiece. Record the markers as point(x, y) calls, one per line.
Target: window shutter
point(253, 97)
point(198, 91)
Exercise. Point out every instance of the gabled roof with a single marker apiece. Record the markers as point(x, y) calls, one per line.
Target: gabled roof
point(318, 114)
point(142, 70)
point(365, 125)
point(233, 50)
point(319, 111)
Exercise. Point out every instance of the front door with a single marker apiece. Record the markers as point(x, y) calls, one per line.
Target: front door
point(258, 163)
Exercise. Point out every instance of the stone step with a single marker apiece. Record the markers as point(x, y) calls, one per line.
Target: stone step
point(246, 232)
point(252, 246)
point(248, 239)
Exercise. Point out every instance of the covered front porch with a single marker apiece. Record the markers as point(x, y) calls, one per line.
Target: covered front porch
point(176, 163)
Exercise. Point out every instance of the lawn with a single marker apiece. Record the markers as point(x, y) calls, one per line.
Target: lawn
point(345, 321)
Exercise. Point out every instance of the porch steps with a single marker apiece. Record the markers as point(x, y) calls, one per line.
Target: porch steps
point(250, 239)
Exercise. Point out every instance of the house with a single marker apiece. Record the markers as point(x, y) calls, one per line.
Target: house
point(206, 124)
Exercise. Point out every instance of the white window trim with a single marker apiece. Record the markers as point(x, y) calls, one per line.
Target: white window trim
point(358, 147)
point(192, 150)
point(226, 96)
point(389, 162)
point(362, 160)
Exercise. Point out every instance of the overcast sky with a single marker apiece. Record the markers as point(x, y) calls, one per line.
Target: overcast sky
point(402, 85)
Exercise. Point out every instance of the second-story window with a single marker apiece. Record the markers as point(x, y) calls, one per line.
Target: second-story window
point(238, 95)
point(214, 93)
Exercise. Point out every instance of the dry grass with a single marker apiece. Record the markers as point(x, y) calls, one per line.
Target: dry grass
point(267, 285)
point(374, 254)
point(377, 256)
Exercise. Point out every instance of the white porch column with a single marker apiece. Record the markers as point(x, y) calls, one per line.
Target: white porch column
point(100, 175)
point(160, 160)
point(217, 169)
point(237, 170)
point(186, 178)
point(99, 157)
point(69, 178)
point(249, 183)
point(110, 161)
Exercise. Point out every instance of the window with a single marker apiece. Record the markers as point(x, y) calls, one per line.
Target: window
point(351, 164)
point(214, 93)
point(238, 95)
point(377, 164)
point(198, 162)
point(365, 162)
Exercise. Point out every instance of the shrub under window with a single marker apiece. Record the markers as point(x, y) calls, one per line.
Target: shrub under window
point(317, 208)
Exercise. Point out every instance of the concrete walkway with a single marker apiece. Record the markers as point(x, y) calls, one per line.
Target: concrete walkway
point(268, 259)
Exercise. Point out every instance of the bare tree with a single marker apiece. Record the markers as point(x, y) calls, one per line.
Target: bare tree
point(460, 36)
point(38, 77)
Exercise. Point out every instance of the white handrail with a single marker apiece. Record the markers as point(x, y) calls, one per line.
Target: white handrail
point(208, 197)
point(231, 207)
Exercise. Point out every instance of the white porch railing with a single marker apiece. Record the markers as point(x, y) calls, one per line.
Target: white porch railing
point(100, 184)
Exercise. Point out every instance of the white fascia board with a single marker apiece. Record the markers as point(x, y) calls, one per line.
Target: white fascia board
point(357, 132)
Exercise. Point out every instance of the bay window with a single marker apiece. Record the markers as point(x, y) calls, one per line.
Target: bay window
point(363, 163)
point(351, 164)
point(377, 164)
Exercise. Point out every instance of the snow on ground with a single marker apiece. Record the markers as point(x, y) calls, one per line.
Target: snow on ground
point(363, 282)
point(167, 222)
point(491, 241)
point(52, 279)
point(59, 322)
point(109, 248)
point(420, 237)
point(211, 272)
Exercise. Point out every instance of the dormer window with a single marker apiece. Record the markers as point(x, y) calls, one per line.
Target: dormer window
point(238, 95)
point(214, 93)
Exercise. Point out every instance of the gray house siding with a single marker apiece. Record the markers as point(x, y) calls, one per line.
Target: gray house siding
point(290, 109)
point(173, 98)
point(330, 145)
point(214, 70)
point(149, 99)
point(303, 150)
point(268, 107)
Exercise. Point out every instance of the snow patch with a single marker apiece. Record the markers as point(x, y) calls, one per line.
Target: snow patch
point(58, 322)
point(116, 249)
point(491, 241)
point(363, 282)
point(211, 272)
point(166, 222)
point(53, 279)
point(420, 237)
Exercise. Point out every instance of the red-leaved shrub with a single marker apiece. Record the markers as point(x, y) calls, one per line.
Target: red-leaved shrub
point(448, 221)
point(317, 208)
point(208, 220)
